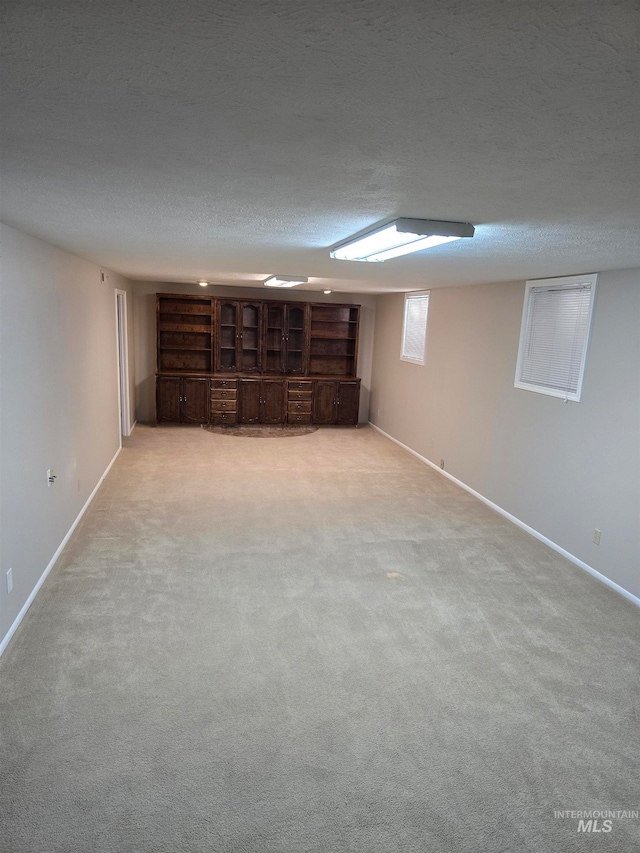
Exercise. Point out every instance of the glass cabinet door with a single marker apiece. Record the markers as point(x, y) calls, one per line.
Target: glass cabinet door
point(227, 336)
point(295, 339)
point(250, 337)
point(274, 338)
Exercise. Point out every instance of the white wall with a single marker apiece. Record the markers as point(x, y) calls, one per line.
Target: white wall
point(563, 469)
point(58, 401)
point(145, 332)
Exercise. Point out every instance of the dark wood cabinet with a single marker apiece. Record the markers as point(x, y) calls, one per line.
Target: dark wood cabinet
point(285, 338)
point(249, 394)
point(226, 337)
point(195, 401)
point(256, 361)
point(168, 399)
point(249, 337)
point(324, 402)
point(273, 401)
point(200, 334)
point(295, 361)
point(299, 401)
point(274, 334)
point(184, 333)
point(257, 400)
point(224, 401)
point(182, 399)
point(335, 402)
point(261, 401)
point(347, 403)
point(333, 339)
point(238, 337)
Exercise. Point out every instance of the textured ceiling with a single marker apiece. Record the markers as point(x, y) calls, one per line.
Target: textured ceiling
point(173, 140)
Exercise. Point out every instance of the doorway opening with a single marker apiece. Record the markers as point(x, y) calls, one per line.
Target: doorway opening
point(123, 362)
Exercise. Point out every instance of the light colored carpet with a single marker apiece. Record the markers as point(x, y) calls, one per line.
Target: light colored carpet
point(312, 646)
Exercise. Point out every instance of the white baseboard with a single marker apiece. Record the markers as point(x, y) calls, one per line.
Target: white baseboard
point(596, 574)
point(52, 562)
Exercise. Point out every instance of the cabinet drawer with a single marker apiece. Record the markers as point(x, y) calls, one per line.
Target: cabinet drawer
point(223, 405)
point(302, 407)
point(224, 383)
point(223, 394)
point(224, 417)
point(298, 418)
point(300, 395)
point(300, 386)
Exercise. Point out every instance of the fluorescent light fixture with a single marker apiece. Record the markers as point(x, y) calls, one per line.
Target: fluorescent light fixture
point(203, 283)
point(326, 291)
point(285, 280)
point(399, 238)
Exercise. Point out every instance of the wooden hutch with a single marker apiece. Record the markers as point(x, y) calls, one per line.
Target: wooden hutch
point(256, 361)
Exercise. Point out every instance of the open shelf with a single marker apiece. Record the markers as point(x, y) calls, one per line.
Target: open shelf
point(173, 306)
point(333, 365)
point(200, 334)
point(332, 337)
point(187, 348)
point(333, 340)
point(185, 333)
point(183, 327)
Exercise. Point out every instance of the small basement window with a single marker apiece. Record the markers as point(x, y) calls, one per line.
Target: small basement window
point(554, 336)
point(414, 328)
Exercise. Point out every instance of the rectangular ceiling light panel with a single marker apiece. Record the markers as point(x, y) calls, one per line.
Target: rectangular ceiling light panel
point(285, 281)
point(400, 238)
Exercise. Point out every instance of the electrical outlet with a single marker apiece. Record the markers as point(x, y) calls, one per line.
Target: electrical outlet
point(596, 536)
point(9, 581)
point(442, 464)
point(51, 477)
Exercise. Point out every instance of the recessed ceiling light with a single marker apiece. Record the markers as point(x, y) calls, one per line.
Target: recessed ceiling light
point(203, 283)
point(326, 291)
point(399, 238)
point(285, 280)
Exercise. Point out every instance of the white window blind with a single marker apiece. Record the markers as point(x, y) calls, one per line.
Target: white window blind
point(554, 337)
point(414, 331)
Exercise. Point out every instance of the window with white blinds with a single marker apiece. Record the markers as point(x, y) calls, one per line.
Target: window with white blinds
point(414, 329)
point(555, 333)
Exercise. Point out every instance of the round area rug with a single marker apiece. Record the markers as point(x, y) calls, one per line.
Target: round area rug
point(262, 430)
